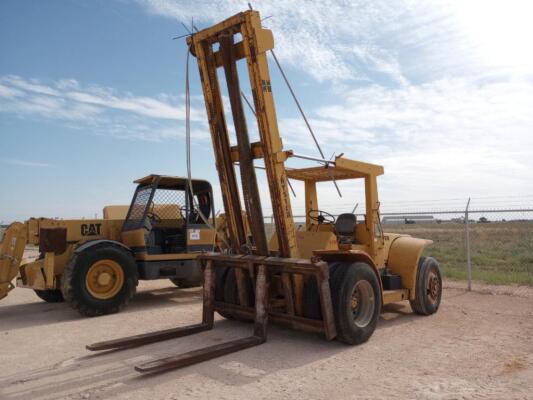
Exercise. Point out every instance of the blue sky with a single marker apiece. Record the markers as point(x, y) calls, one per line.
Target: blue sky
point(92, 96)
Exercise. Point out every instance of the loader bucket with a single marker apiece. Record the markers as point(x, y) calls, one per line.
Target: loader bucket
point(11, 251)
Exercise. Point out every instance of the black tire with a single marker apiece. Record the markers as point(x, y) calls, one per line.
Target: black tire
point(428, 293)
point(355, 326)
point(311, 301)
point(220, 282)
point(74, 286)
point(50, 295)
point(185, 283)
point(231, 294)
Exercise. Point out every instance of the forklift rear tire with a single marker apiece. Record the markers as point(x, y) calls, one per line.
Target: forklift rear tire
point(231, 294)
point(184, 283)
point(100, 280)
point(220, 282)
point(356, 297)
point(428, 287)
point(50, 295)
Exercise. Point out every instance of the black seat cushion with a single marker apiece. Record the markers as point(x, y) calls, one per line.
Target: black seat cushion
point(345, 224)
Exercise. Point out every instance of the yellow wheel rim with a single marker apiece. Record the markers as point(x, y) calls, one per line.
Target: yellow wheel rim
point(104, 279)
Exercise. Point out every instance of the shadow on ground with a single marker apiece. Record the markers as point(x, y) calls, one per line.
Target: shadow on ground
point(104, 374)
point(39, 313)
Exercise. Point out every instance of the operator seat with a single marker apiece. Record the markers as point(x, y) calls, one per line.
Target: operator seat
point(345, 228)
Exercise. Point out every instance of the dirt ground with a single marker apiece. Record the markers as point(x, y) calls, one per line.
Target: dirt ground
point(478, 346)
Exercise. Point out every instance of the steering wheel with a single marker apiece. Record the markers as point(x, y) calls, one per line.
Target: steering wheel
point(321, 216)
point(152, 215)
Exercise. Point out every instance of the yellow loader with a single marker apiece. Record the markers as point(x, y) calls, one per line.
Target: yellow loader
point(95, 264)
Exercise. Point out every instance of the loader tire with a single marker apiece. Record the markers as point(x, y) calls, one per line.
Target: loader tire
point(50, 295)
point(356, 298)
point(99, 280)
point(428, 292)
point(231, 294)
point(185, 283)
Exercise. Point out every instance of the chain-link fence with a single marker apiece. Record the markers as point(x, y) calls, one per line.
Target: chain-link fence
point(166, 204)
point(493, 245)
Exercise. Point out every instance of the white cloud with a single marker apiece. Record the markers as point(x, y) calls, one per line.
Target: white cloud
point(102, 110)
point(391, 41)
point(417, 87)
point(316, 37)
point(431, 90)
point(447, 138)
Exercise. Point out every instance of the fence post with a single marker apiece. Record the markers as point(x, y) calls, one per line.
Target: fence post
point(467, 240)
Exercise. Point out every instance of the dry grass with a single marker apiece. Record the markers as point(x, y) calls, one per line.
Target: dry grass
point(502, 252)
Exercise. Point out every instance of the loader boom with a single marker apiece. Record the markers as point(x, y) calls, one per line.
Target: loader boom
point(11, 252)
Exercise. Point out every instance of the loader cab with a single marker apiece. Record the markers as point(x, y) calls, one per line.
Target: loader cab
point(167, 218)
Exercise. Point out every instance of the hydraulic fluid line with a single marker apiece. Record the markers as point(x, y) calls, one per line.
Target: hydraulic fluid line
point(188, 151)
point(303, 115)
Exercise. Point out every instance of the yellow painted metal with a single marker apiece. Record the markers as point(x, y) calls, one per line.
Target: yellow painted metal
point(104, 279)
point(133, 238)
point(166, 181)
point(403, 257)
point(115, 212)
point(311, 201)
point(11, 252)
point(197, 236)
point(213, 103)
point(309, 241)
point(400, 253)
point(45, 272)
point(394, 296)
point(49, 269)
point(32, 276)
point(344, 168)
point(255, 42)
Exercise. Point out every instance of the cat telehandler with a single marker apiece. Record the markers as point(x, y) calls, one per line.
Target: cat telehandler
point(333, 276)
point(95, 265)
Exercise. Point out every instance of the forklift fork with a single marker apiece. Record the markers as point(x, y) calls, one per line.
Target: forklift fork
point(208, 313)
point(261, 269)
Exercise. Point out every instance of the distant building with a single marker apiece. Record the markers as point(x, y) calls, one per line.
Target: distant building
point(409, 219)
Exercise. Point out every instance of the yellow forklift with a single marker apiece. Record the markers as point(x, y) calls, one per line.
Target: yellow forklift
point(330, 278)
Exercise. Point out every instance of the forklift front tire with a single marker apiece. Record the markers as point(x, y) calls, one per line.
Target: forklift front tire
point(356, 297)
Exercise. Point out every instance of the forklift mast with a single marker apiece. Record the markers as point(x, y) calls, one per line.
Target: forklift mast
point(219, 46)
